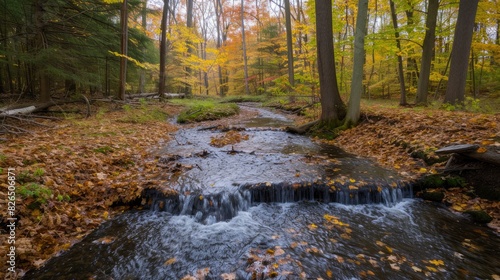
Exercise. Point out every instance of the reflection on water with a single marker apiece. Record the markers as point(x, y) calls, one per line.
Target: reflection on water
point(413, 240)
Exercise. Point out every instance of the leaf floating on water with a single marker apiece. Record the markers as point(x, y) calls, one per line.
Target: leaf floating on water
point(373, 262)
point(395, 266)
point(340, 259)
point(416, 269)
point(105, 240)
point(392, 258)
point(228, 276)
point(312, 226)
point(436, 262)
point(389, 249)
point(329, 273)
point(170, 261)
point(279, 252)
point(458, 255)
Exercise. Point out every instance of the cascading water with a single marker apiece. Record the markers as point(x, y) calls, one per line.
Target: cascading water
point(282, 208)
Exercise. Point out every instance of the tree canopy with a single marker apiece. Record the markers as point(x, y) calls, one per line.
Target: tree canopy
point(50, 46)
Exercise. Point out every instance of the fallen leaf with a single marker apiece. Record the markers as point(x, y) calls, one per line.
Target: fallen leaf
point(170, 261)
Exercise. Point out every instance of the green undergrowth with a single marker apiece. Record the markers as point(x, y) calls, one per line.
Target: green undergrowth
point(205, 110)
point(144, 113)
point(244, 98)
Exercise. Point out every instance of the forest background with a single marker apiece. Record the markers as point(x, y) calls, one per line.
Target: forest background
point(221, 47)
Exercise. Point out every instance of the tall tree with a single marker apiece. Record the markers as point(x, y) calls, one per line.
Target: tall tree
point(144, 25)
point(123, 49)
point(455, 91)
point(163, 49)
point(189, 25)
point(332, 107)
point(41, 44)
point(401, 77)
point(353, 110)
point(427, 52)
point(244, 45)
point(288, 24)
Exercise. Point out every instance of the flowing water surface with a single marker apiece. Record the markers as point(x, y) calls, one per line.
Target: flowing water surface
point(271, 211)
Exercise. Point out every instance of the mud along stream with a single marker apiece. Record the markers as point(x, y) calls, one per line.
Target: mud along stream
point(278, 206)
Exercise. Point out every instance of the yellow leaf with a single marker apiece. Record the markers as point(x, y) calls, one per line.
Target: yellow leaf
point(170, 261)
point(422, 170)
point(481, 150)
point(352, 187)
point(312, 226)
point(389, 249)
point(329, 273)
point(437, 262)
point(430, 268)
point(352, 180)
point(105, 215)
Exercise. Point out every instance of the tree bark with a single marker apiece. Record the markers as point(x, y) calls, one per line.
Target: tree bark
point(353, 110)
point(144, 24)
point(427, 52)
point(455, 91)
point(163, 50)
point(288, 24)
point(401, 76)
point(244, 44)
point(189, 25)
point(123, 50)
point(332, 106)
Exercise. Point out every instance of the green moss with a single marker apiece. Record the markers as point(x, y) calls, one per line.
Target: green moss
point(207, 110)
point(479, 216)
point(144, 113)
point(439, 181)
point(432, 195)
point(244, 98)
point(38, 192)
point(104, 150)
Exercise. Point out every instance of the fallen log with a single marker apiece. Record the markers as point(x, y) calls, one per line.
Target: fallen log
point(39, 107)
point(484, 154)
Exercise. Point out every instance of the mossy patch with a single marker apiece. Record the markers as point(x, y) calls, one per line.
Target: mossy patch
point(480, 216)
point(206, 111)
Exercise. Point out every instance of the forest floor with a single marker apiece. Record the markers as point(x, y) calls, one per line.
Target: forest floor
point(72, 175)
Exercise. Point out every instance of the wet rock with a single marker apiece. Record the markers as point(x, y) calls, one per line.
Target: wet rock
point(479, 216)
point(432, 195)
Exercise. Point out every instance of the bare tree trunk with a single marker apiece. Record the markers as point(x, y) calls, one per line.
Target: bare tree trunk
point(221, 39)
point(401, 76)
point(427, 52)
point(123, 50)
point(332, 107)
point(40, 45)
point(353, 110)
point(244, 44)
point(163, 49)
point(144, 24)
point(455, 91)
point(189, 25)
point(288, 24)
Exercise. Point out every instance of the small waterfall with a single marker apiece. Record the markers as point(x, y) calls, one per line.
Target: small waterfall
point(205, 208)
point(223, 206)
point(388, 194)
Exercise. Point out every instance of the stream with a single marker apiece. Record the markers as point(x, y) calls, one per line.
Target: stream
point(279, 206)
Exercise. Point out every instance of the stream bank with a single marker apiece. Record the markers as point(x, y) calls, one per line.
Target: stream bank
point(218, 229)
